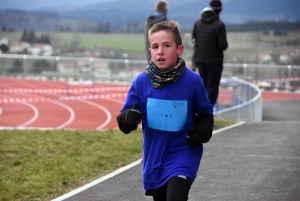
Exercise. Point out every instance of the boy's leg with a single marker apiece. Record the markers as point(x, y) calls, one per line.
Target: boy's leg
point(178, 189)
point(159, 194)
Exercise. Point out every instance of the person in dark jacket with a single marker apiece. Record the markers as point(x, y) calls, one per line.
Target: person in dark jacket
point(161, 9)
point(210, 40)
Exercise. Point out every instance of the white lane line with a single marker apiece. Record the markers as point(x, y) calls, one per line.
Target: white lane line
point(228, 127)
point(123, 169)
point(72, 113)
point(72, 117)
point(116, 100)
point(108, 114)
point(97, 181)
point(119, 171)
point(36, 115)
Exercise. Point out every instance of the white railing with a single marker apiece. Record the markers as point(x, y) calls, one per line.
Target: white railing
point(246, 101)
point(124, 69)
point(242, 78)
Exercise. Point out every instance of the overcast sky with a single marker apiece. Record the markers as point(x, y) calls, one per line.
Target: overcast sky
point(36, 4)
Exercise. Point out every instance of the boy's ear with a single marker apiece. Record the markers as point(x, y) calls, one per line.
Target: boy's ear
point(180, 50)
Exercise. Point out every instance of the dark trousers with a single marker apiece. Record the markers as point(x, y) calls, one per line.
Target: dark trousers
point(211, 75)
point(176, 189)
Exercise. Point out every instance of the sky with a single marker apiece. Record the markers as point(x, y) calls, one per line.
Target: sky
point(31, 5)
point(37, 4)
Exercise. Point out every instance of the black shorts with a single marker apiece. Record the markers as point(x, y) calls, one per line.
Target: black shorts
point(176, 189)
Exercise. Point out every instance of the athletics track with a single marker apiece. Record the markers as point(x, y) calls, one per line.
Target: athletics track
point(46, 104)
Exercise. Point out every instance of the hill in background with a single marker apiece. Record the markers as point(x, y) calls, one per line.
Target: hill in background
point(120, 15)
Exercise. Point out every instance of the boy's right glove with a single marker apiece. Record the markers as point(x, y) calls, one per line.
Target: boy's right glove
point(202, 131)
point(128, 120)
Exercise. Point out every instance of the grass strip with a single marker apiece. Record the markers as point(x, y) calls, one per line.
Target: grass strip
point(45, 164)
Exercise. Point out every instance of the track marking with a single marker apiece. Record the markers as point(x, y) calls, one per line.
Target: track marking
point(278, 80)
point(102, 96)
point(116, 100)
point(108, 114)
point(228, 127)
point(97, 181)
point(64, 91)
point(21, 100)
point(36, 115)
point(83, 97)
point(68, 108)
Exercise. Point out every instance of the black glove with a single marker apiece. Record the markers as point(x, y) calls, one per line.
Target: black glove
point(128, 120)
point(202, 131)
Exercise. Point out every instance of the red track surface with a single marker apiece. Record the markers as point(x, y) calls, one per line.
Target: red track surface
point(45, 104)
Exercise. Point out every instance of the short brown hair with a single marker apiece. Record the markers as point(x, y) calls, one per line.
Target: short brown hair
point(171, 26)
point(161, 6)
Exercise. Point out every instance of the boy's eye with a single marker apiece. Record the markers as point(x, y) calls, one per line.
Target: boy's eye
point(167, 45)
point(154, 47)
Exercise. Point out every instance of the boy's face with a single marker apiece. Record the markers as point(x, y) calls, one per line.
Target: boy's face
point(163, 50)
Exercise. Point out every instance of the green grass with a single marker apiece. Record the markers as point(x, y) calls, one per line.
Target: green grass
point(128, 42)
point(126, 45)
point(43, 165)
point(241, 44)
point(222, 123)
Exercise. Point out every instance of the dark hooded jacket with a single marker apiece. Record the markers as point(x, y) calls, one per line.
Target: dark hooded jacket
point(209, 33)
point(151, 20)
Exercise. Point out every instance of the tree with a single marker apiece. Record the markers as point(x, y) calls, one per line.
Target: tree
point(43, 39)
point(28, 36)
point(31, 37)
point(24, 35)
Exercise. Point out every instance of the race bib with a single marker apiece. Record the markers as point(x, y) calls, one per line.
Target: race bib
point(166, 115)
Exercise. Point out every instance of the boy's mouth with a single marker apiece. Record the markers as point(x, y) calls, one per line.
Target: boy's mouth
point(161, 60)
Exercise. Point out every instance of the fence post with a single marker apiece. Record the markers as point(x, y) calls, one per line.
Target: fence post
point(258, 112)
point(92, 72)
point(56, 64)
point(288, 82)
point(75, 66)
point(25, 70)
point(128, 74)
point(245, 69)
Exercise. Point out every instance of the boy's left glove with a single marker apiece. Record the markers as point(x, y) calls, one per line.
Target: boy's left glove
point(202, 131)
point(128, 120)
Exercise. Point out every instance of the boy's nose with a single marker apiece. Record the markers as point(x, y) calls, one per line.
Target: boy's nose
point(160, 50)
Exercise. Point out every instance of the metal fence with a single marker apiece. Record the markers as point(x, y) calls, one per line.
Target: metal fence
point(246, 101)
point(241, 79)
point(98, 69)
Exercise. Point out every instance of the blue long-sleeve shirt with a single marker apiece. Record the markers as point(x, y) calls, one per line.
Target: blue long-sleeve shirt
point(166, 154)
